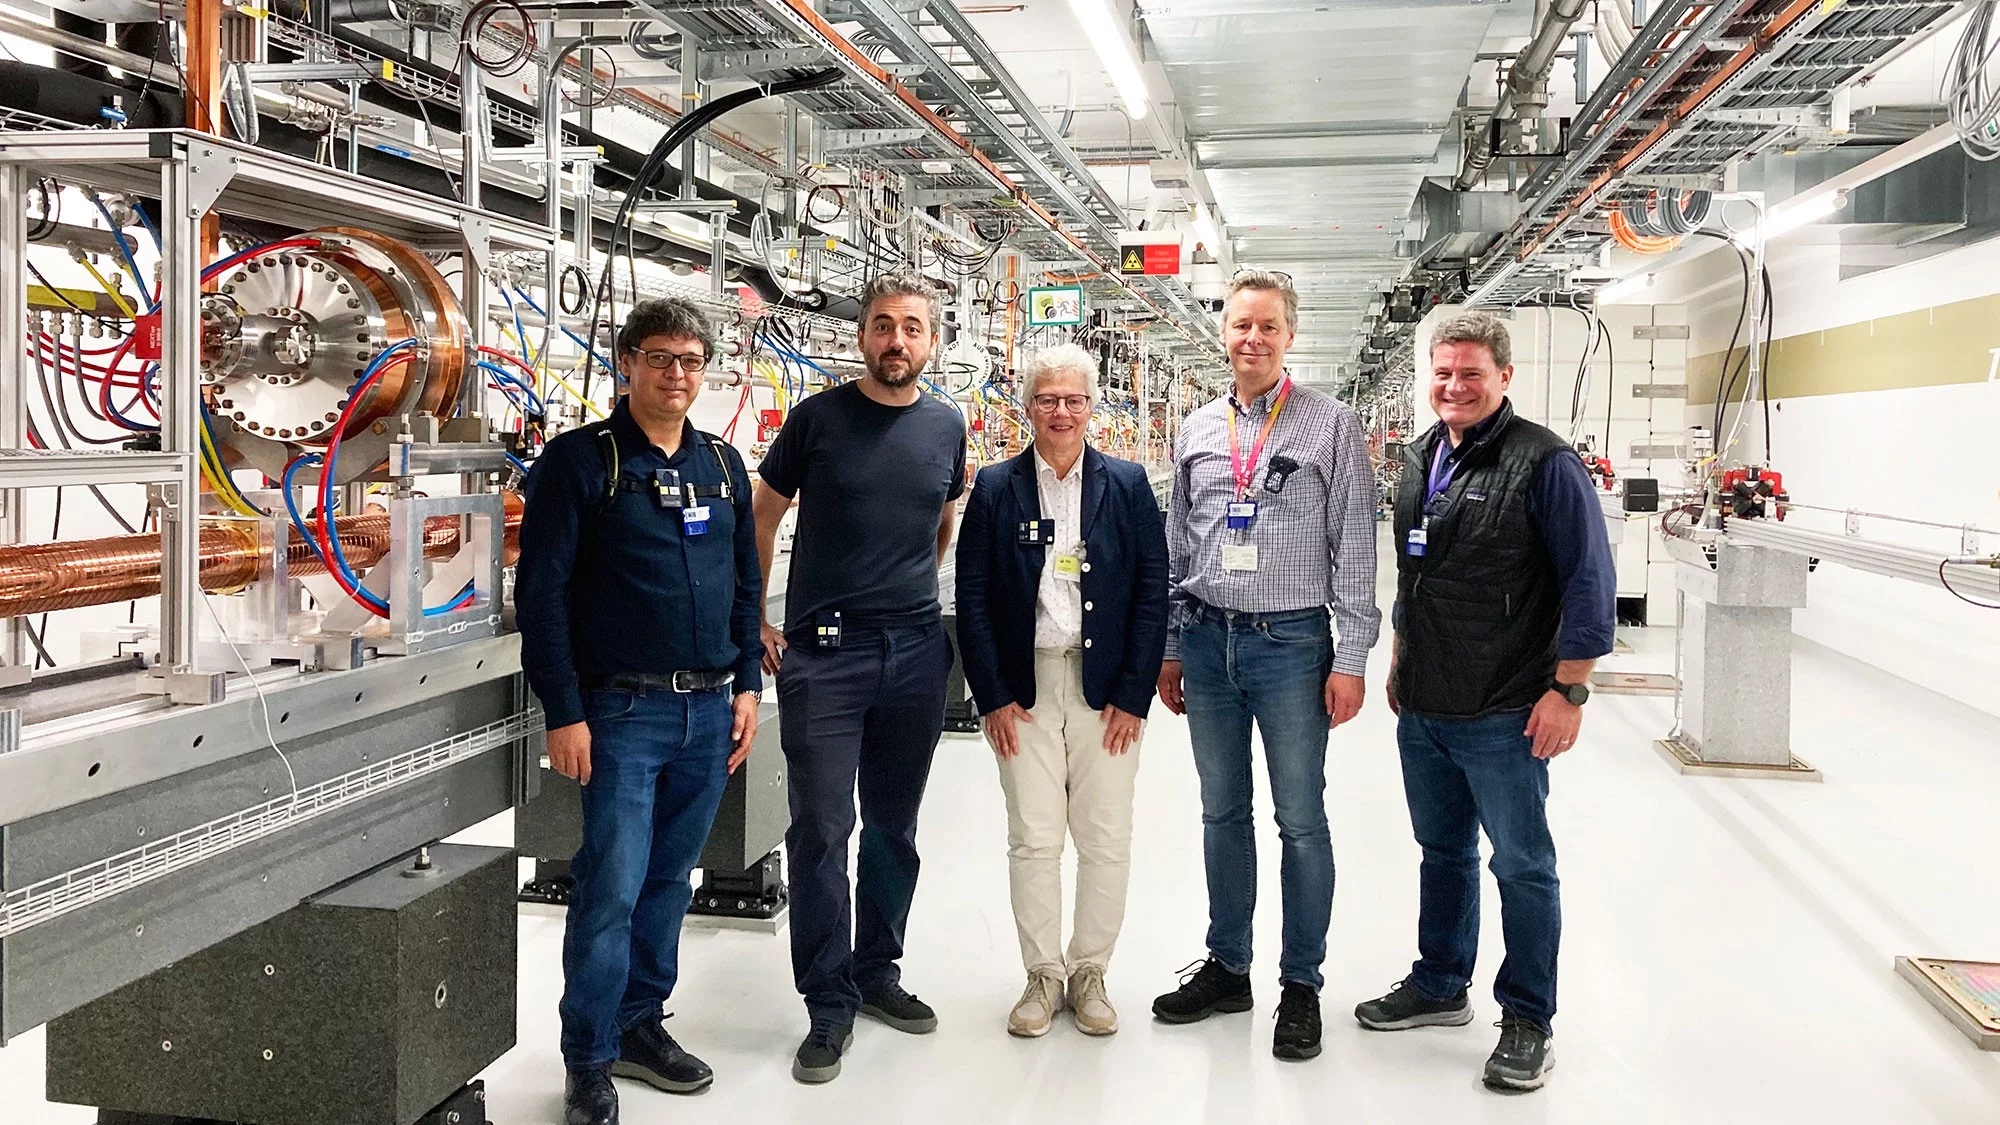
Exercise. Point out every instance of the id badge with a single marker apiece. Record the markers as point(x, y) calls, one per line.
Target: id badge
point(694, 520)
point(1419, 537)
point(826, 629)
point(1239, 515)
point(1069, 568)
point(1239, 556)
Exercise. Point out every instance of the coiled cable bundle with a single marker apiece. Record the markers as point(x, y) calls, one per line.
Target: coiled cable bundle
point(1658, 221)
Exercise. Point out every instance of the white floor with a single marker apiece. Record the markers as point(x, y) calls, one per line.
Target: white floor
point(1727, 949)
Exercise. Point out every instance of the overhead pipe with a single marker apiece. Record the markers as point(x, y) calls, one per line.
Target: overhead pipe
point(1527, 91)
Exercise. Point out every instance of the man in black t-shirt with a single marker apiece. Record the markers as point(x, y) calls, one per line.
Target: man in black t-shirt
point(861, 661)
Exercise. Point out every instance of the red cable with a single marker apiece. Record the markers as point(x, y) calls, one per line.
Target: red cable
point(322, 531)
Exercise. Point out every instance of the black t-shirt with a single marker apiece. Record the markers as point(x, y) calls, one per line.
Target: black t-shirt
point(872, 483)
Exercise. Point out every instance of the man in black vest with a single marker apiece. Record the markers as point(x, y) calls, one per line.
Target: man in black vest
point(1506, 597)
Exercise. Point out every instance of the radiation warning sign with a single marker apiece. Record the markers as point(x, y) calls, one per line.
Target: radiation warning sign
point(1152, 259)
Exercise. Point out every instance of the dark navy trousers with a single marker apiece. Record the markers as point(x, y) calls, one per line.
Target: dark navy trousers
point(860, 719)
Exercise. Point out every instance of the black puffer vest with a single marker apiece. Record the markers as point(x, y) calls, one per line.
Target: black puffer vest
point(1481, 609)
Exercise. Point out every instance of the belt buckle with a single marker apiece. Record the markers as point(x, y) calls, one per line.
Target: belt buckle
point(680, 682)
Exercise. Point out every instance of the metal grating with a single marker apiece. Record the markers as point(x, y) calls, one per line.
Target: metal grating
point(73, 890)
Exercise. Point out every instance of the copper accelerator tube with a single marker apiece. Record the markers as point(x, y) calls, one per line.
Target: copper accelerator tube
point(44, 577)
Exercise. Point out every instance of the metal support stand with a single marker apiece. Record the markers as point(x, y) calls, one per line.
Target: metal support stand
point(751, 899)
point(1736, 661)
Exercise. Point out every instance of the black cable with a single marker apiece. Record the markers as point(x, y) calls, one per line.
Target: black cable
point(55, 533)
point(64, 297)
point(1583, 362)
point(603, 300)
point(1946, 583)
point(34, 638)
point(1610, 384)
point(1725, 382)
point(1764, 381)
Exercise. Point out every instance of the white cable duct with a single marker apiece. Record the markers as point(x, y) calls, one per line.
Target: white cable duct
point(1613, 26)
point(1912, 564)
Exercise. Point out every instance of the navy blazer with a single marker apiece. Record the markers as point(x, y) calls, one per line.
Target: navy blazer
point(1124, 585)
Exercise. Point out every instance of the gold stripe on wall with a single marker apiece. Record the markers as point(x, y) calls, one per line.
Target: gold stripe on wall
point(1933, 347)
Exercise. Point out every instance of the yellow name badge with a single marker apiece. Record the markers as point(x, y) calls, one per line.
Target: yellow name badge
point(1069, 568)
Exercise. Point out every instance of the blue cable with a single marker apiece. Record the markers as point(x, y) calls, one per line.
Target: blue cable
point(539, 311)
point(125, 252)
point(520, 333)
point(147, 222)
point(507, 378)
point(519, 465)
point(299, 525)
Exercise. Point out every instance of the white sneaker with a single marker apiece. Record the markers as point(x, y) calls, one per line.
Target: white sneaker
point(1089, 1004)
point(1037, 1007)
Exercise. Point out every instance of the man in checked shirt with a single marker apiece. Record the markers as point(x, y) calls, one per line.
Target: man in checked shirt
point(1272, 525)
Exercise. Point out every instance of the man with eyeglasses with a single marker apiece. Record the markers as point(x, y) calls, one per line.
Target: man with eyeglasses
point(1272, 523)
point(639, 599)
point(1062, 620)
point(862, 661)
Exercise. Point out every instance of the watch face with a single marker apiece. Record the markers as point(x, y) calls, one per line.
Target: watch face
point(1576, 693)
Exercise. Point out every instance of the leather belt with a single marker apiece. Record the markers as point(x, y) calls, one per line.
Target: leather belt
point(682, 682)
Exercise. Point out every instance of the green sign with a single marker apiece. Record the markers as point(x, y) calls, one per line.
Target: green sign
point(1058, 306)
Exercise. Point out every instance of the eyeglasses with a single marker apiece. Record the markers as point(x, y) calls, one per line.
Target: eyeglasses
point(694, 363)
point(1075, 404)
point(1248, 271)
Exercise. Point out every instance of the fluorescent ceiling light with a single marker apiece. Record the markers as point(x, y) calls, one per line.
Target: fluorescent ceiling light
point(1795, 213)
point(1114, 52)
point(1623, 288)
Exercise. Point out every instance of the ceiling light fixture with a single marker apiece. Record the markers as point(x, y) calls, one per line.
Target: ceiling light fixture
point(1623, 288)
point(1792, 214)
point(1114, 52)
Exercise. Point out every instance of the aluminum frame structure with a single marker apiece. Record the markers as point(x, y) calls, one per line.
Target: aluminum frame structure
point(1005, 158)
point(193, 174)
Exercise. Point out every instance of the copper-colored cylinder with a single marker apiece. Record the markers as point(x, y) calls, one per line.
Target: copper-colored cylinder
point(44, 577)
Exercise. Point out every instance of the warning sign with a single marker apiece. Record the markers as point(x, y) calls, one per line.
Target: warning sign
point(1156, 259)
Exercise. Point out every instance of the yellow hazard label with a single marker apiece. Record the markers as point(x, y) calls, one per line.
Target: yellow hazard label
point(388, 70)
point(1135, 261)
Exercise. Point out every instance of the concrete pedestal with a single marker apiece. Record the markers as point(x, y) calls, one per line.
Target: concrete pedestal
point(1736, 659)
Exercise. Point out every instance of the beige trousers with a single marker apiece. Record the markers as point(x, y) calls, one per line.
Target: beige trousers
point(1064, 779)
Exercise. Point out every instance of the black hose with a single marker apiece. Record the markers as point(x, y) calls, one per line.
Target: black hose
point(684, 130)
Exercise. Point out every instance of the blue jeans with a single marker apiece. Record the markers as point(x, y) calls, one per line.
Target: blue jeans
point(859, 721)
point(658, 765)
point(1271, 668)
point(1461, 776)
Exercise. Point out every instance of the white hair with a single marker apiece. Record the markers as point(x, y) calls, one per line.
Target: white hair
point(1051, 361)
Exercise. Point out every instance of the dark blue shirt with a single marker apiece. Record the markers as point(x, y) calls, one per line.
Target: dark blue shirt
point(621, 587)
point(1563, 503)
point(872, 483)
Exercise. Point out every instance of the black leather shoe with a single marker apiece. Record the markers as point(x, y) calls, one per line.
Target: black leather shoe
point(1205, 991)
point(1297, 1035)
point(899, 1009)
point(589, 1098)
point(1522, 1059)
point(649, 1054)
point(1403, 1007)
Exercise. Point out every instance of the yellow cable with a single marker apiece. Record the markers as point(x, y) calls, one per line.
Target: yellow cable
point(771, 377)
point(219, 480)
point(573, 392)
point(109, 291)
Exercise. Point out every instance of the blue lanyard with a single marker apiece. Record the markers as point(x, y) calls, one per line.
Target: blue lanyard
point(1442, 470)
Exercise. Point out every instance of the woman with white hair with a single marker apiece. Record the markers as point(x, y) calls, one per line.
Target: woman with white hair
point(1062, 623)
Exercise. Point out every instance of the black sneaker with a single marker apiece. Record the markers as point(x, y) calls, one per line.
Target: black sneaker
point(1297, 1035)
point(589, 1098)
point(818, 1059)
point(1207, 988)
point(1404, 1008)
point(1523, 1058)
point(650, 1055)
point(900, 1010)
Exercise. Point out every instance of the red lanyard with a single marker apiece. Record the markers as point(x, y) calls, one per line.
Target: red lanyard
point(1245, 472)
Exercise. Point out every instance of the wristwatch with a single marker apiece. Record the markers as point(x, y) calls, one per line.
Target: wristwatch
point(1577, 694)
